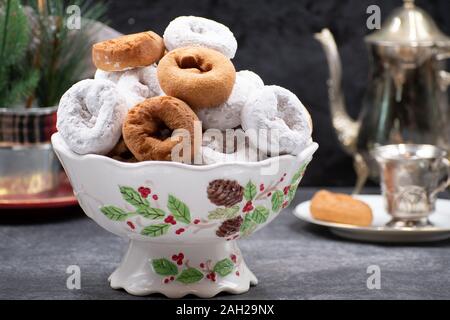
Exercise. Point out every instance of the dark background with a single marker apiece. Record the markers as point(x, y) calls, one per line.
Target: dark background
point(275, 40)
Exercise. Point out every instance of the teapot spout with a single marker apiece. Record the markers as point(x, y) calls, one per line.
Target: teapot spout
point(346, 128)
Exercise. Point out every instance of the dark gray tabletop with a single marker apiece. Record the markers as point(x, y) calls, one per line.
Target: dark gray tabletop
point(291, 259)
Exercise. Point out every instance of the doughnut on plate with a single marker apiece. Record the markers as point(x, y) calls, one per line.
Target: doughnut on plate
point(378, 231)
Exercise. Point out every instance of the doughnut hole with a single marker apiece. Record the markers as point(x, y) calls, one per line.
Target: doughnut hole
point(197, 64)
point(283, 111)
point(163, 132)
point(197, 29)
point(86, 116)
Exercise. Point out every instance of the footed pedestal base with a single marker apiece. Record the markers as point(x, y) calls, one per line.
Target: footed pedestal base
point(177, 270)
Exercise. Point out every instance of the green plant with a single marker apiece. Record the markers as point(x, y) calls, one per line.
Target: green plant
point(61, 52)
point(17, 81)
point(40, 55)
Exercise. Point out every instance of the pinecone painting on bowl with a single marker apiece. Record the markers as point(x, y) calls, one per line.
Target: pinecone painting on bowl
point(229, 227)
point(225, 192)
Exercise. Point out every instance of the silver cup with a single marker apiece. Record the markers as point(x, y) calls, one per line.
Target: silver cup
point(411, 178)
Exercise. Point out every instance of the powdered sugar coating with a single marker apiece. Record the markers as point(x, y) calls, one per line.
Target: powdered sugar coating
point(228, 114)
point(135, 85)
point(280, 114)
point(232, 145)
point(186, 31)
point(90, 116)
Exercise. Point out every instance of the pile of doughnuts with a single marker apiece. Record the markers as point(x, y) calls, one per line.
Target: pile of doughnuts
point(151, 95)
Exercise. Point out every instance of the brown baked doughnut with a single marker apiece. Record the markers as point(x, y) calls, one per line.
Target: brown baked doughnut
point(129, 51)
point(148, 125)
point(340, 208)
point(200, 76)
point(121, 152)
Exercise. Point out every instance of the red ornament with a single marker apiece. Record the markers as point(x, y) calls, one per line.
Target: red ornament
point(211, 276)
point(178, 258)
point(131, 225)
point(248, 207)
point(171, 220)
point(180, 231)
point(155, 197)
point(144, 191)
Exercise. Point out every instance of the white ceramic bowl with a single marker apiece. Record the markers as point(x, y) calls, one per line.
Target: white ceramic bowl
point(181, 242)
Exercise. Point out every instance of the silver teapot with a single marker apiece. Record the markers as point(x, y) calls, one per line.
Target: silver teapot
point(406, 99)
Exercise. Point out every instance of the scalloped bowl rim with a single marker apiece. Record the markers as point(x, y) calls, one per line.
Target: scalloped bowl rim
point(60, 146)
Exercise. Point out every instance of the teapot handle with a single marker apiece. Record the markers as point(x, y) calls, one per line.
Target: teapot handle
point(444, 79)
point(444, 76)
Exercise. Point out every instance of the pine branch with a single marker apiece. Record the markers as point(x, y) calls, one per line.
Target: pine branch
point(20, 88)
point(63, 52)
point(15, 82)
point(58, 55)
point(15, 35)
point(5, 28)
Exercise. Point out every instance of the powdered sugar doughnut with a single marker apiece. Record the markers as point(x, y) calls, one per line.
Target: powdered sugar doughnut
point(232, 146)
point(108, 75)
point(90, 116)
point(285, 120)
point(228, 114)
point(189, 31)
point(135, 85)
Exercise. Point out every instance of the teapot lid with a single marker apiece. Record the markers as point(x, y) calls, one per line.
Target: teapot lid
point(409, 25)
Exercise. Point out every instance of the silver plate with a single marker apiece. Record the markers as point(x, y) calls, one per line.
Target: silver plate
point(378, 232)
